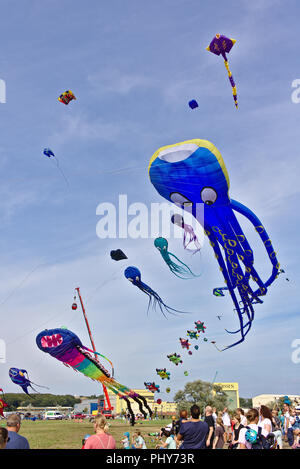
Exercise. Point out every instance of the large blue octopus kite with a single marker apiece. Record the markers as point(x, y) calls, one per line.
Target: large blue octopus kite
point(193, 175)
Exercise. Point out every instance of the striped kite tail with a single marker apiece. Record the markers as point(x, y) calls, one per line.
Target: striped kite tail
point(234, 92)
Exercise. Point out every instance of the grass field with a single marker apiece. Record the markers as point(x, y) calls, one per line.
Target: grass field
point(67, 434)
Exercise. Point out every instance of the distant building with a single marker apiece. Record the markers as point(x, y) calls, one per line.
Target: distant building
point(232, 392)
point(163, 409)
point(40, 410)
point(86, 406)
point(265, 399)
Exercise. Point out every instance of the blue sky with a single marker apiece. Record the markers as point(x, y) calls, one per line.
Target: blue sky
point(133, 66)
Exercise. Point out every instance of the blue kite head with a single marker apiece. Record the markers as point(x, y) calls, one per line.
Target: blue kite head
point(48, 152)
point(17, 376)
point(57, 342)
point(190, 173)
point(132, 274)
point(193, 104)
point(161, 244)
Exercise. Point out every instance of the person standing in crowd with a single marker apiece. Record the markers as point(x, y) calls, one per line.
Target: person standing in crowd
point(4, 438)
point(252, 418)
point(277, 428)
point(288, 424)
point(237, 426)
point(16, 441)
point(241, 413)
point(227, 425)
point(182, 416)
point(214, 415)
point(102, 439)
point(211, 426)
point(265, 418)
point(193, 432)
point(218, 441)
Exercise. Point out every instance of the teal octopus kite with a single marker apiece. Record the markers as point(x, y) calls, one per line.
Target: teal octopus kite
point(179, 269)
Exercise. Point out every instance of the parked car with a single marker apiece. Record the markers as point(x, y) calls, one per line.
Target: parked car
point(79, 415)
point(53, 415)
point(107, 414)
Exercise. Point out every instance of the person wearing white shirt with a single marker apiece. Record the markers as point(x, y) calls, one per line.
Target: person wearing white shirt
point(227, 424)
point(288, 424)
point(242, 415)
point(252, 417)
point(266, 417)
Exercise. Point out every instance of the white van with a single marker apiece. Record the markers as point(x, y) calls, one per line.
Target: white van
point(53, 415)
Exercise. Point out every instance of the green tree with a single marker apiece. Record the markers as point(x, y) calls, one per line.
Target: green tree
point(246, 403)
point(202, 394)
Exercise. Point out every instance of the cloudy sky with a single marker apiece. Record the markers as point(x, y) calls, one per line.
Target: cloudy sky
point(133, 66)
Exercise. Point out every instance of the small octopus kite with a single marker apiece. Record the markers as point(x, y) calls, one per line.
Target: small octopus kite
point(21, 378)
point(152, 387)
point(174, 358)
point(219, 291)
point(179, 269)
point(66, 97)
point(49, 153)
point(163, 373)
point(220, 45)
point(192, 334)
point(134, 275)
point(200, 326)
point(189, 235)
point(184, 343)
point(118, 255)
point(193, 104)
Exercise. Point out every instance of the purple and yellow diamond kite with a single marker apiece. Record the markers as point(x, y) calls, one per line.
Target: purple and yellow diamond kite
point(222, 45)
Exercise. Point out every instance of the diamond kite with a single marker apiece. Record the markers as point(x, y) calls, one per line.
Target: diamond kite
point(222, 45)
point(66, 97)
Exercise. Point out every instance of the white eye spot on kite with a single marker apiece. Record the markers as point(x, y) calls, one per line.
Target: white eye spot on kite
point(180, 200)
point(208, 195)
point(178, 153)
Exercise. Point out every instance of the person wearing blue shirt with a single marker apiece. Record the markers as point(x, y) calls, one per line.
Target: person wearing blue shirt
point(193, 432)
point(16, 441)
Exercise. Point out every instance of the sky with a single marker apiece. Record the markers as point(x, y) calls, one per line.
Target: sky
point(133, 66)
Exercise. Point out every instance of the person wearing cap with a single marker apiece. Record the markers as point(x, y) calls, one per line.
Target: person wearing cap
point(16, 441)
point(125, 442)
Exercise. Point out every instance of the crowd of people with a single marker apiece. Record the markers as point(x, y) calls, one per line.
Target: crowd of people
point(258, 429)
point(261, 428)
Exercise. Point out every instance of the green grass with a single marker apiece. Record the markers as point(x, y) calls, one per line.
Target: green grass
point(67, 434)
